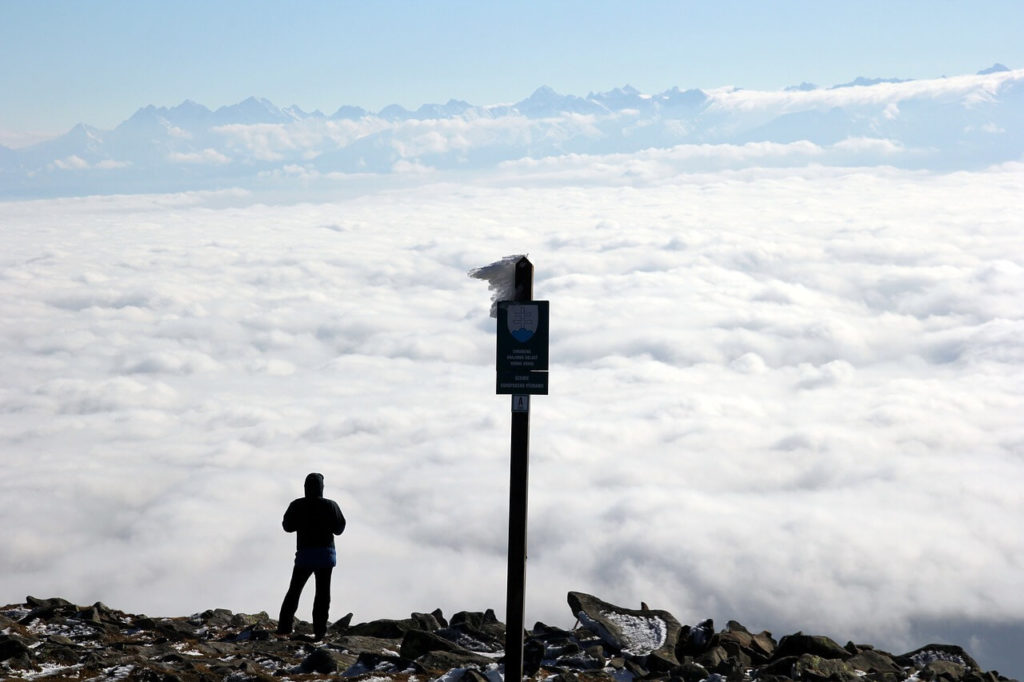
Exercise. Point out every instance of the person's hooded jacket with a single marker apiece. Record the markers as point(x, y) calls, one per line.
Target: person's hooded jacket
point(314, 518)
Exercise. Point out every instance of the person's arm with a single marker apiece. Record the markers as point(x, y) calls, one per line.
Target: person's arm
point(339, 520)
point(289, 523)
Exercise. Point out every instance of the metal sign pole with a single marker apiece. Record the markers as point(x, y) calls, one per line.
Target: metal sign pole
point(519, 475)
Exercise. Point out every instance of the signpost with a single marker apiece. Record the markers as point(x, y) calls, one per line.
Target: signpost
point(522, 371)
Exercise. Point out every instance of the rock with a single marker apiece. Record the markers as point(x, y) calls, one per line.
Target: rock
point(534, 652)
point(779, 667)
point(634, 668)
point(991, 676)
point(342, 625)
point(377, 664)
point(12, 646)
point(815, 645)
point(35, 602)
point(427, 621)
point(745, 647)
point(713, 657)
point(481, 625)
point(384, 628)
point(63, 641)
point(692, 672)
point(358, 644)
point(321, 660)
point(947, 671)
point(418, 643)
point(176, 629)
point(442, 661)
point(582, 660)
point(478, 631)
point(473, 675)
point(920, 658)
point(763, 644)
point(812, 667)
point(633, 631)
point(239, 620)
point(873, 662)
point(217, 618)
point(46, 609)
point(696, 640)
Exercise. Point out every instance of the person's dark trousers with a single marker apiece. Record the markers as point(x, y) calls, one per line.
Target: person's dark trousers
point(321, 600)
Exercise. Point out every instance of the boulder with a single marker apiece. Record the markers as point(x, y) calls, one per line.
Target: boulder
point(920, 658)
point(427, 621)
point(744, 646)
point(385, 628)
point(820, 668)
point(377, 665)
point(693, 641)
point(815, 645)
point(473, 675)
point(320, 660)
point(946, 671)
point(417, 643)
point(442, 661)
point(358, 644)
point(176, 629)
point(47, 609)
point(12, 646)
point(250, 619)
point(691, 671)
point(713, 657)
point(478, 631)
point(342, 624)
point(873, 662)
point(482, 625)
point(587, 659)
point(213, 618)
point(36, 602)
point(637, 632)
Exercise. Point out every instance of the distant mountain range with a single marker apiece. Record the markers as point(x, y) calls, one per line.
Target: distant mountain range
point(950, 123)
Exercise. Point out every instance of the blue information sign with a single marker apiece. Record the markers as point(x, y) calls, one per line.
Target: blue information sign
point(522, 345)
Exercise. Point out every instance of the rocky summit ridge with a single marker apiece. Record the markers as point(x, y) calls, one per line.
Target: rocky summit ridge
point(54, 639)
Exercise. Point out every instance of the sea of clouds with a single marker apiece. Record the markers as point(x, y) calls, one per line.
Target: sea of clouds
point(788, 396)
point(968, 122)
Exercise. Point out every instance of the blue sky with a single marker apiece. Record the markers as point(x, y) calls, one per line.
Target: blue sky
point(67, 62)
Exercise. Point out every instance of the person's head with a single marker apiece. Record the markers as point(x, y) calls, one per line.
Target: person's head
point(314, 485)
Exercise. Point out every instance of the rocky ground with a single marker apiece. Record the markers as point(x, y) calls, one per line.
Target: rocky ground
point(53, 639)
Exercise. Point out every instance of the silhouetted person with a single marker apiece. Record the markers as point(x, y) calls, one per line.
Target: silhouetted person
point(316, 520)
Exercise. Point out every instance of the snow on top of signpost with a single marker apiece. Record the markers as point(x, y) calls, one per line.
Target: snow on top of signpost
point(501, 279)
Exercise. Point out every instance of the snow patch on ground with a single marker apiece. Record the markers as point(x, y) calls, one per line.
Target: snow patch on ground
point(642, 635)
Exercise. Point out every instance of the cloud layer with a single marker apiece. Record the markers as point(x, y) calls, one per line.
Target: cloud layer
point(962, 122)
point(786, 396)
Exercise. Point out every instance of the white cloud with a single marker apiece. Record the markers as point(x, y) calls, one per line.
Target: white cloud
point(788, 396)
point(71, 163)
point(275, 141)
point(206, 156)
point(75, 162)
point(968, 89)
point(111, 164)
